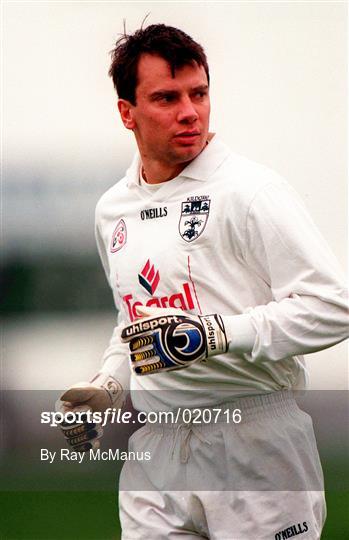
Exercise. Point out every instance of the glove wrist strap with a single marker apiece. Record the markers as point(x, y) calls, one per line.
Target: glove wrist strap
point(216, 338)
point(110, 385)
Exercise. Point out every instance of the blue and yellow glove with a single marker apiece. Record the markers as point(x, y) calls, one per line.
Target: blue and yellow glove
point(165, 339)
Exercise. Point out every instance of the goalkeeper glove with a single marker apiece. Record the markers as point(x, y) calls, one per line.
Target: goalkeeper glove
point(102, 392)
point(167, 339)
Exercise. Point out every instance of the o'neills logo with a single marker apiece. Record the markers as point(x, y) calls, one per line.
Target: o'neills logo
point(180, 300)
point(293, 530)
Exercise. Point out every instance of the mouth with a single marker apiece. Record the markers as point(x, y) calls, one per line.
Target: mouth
point(187, 137)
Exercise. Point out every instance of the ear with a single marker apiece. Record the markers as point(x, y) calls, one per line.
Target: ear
point(125, 110)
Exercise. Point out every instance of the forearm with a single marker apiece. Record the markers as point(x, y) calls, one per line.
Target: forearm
point(115, 360)
point(295, 325)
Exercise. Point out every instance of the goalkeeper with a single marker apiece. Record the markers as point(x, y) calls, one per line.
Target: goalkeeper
point(222, 283)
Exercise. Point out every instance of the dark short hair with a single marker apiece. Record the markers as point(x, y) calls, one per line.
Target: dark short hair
point(171, 44)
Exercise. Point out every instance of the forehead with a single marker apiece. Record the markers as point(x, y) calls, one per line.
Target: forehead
point(154, 72)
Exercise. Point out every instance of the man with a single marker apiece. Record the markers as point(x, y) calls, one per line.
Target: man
point(222, 282)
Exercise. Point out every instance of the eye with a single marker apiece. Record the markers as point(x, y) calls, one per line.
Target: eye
point(200, 94)
point(168, 99)
point(165, 98)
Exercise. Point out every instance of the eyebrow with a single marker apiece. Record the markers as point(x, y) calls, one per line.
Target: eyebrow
point(201, 88)
point(161, 93)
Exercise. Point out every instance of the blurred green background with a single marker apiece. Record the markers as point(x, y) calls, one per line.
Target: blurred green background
point(93, 515)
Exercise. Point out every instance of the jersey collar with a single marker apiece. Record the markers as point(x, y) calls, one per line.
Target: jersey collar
point(201, 168)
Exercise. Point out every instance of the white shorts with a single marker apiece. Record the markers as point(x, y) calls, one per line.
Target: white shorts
point(260, 479)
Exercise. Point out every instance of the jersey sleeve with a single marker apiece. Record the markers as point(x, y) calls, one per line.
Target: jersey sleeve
point(308, 311)
point(115, 357)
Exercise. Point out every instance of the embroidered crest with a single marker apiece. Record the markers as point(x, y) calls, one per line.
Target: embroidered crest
point(118, 240)
point(194, 216)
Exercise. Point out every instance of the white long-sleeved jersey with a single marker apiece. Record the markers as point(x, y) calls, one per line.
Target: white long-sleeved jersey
point(226, 236)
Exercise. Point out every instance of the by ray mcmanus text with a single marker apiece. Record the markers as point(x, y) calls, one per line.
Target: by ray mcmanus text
point(64, 454)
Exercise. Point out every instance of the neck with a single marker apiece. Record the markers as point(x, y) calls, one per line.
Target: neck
point(156, 173)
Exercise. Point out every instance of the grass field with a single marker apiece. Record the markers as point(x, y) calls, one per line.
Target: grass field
point(93, 516)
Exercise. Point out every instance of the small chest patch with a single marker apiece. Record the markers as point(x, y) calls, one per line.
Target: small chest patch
point(119, 238)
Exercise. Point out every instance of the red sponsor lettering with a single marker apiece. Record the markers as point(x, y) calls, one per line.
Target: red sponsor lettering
point(179, 300)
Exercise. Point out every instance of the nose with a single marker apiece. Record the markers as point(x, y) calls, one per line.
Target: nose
point(187, 112)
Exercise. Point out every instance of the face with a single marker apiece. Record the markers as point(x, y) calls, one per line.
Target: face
point(171, 116)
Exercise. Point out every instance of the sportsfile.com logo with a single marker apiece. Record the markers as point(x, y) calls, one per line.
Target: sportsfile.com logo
point(148, 278)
